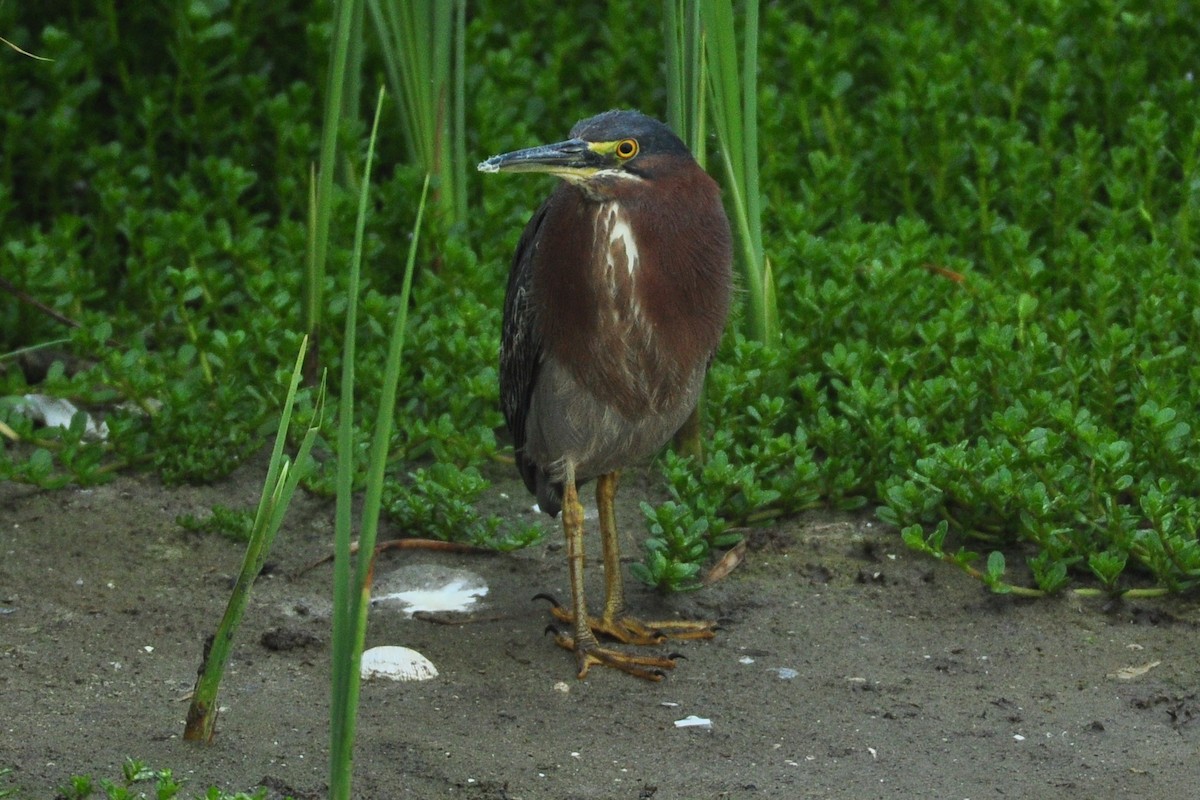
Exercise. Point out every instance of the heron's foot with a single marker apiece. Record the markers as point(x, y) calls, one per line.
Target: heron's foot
point(631, 630)
point(588, 653)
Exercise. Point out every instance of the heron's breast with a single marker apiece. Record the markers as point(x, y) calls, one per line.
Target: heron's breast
point(624, 315)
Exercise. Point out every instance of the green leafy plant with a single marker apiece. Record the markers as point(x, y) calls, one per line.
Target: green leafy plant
point(677, 544)
point(4, 775)
point(232, 523)
point(134, 773)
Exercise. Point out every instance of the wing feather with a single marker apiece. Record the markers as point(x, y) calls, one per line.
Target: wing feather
point(521, 349)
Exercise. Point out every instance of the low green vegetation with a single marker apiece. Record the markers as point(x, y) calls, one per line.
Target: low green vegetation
point(982, 223)
point(232, 523)
point(139, 782)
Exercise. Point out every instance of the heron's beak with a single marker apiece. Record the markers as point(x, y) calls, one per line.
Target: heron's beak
point(572, 159)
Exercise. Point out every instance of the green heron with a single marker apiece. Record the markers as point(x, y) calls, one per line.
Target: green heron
point(616, 302)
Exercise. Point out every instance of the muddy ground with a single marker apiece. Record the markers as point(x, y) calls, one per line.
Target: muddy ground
point(910, 681)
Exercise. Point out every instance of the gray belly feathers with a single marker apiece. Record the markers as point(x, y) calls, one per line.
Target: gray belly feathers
point(590, 437)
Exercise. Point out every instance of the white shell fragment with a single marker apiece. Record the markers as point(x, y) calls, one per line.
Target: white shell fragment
point(1129, 673)
point(56, 412)
point(692, 721)
point(396, 663)
point(429, 587)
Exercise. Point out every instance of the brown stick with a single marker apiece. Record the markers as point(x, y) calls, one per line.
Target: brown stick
point(29, 299)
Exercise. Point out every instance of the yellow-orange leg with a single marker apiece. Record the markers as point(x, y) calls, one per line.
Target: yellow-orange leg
point(614, 622)
point(614, 587)
point(588, 651)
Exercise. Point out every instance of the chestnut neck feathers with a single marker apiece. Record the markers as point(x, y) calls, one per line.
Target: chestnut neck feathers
point(634, 322)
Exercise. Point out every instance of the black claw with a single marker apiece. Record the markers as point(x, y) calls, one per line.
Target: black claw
point(662, 673)
point(548, 597)
point(550, 629)
point(675, 656)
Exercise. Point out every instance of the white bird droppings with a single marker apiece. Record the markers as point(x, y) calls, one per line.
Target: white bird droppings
point(429, 587)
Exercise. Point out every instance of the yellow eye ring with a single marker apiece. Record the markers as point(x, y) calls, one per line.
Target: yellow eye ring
point(627, 148)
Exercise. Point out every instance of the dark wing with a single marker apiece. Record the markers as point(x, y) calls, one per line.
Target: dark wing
point(521, 349)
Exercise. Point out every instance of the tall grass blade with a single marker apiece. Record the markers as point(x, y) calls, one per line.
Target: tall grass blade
point(314, 282)
point(684, 45)
point(422, 43)
point(735, 117)
point(352, 587)
point(684, 40)
point(345, 663)
point(283, 476)
point(458, 131)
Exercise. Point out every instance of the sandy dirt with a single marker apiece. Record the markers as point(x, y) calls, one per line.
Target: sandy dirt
point(846, 667)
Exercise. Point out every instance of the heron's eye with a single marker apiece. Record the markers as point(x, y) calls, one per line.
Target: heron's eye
point(627, 148)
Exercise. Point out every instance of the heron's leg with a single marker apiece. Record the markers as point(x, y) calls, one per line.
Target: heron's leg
point(582, 642)
point(614, 588)
point(572, 516)
point(614, 622)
